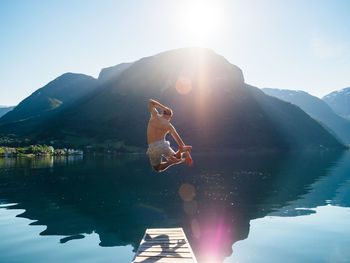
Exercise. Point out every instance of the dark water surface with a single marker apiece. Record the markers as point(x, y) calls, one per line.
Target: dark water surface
point(233, 207)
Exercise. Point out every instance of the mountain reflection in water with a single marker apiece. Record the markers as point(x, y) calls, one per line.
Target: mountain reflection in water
point(214, 201)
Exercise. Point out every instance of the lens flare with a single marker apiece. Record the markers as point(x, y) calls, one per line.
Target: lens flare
point(215, 238)
point(183, 85)
point(187, 192)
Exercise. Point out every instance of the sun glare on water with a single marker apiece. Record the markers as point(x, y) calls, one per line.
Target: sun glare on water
point(201, 20)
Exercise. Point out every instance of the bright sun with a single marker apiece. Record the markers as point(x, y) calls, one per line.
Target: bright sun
point(201, 20)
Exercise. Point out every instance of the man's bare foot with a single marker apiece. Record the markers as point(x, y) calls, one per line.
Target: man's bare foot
point(189, 160)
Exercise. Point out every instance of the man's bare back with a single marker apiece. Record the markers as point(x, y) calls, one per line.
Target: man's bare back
point(158, 127)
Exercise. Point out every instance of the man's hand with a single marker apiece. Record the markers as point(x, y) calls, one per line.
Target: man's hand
point(185, 148)
point(156, 104)
point(168, 110)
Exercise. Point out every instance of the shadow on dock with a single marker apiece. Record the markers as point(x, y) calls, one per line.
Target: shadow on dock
point(164, 245)
point(164, 242)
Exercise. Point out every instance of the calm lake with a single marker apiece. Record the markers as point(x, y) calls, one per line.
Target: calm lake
point(291, 207)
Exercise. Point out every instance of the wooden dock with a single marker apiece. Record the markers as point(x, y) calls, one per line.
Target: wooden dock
point(164, 245)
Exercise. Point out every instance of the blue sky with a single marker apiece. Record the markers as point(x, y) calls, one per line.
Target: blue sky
point(278, 44)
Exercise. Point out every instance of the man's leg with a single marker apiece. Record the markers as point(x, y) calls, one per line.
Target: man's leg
point(165, 165)
point(173, 159)
point(188, 159)
point(185, 150)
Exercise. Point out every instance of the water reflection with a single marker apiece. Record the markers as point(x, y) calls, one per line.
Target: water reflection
point(214, 201)
point(39, 162)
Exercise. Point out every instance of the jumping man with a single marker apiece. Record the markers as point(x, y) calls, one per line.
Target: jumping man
point(158, 127)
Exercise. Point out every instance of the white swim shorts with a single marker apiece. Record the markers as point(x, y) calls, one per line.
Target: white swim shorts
point(158, 149)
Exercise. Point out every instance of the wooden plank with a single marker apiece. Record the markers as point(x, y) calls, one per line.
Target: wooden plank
point(159, 249)
point(159, 242)
point(164, 235)
point(164, 229)
point(162, 260)
point(170, 243)
point(161, 231)
point(165, 239)
point(162, 238)
point(149, 237)
point(164, 243)
point(162, 246)
point(165, 255)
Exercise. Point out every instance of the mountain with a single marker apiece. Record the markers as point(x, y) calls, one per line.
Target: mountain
point(46, 101)
point(214, 108)
point(339, 101)
point(316, 108)
point(110, 73)
point(5, 109)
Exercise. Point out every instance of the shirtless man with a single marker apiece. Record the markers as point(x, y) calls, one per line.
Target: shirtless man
point(158, 127)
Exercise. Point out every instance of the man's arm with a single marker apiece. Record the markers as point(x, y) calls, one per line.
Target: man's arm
point(152, 105)
point(176, 136)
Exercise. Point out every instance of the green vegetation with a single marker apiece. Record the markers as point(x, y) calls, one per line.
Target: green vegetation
point(29, 151)
point(13, 146)
point(12, 140)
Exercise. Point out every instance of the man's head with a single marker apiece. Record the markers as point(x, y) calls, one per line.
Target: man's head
point(167, 114)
